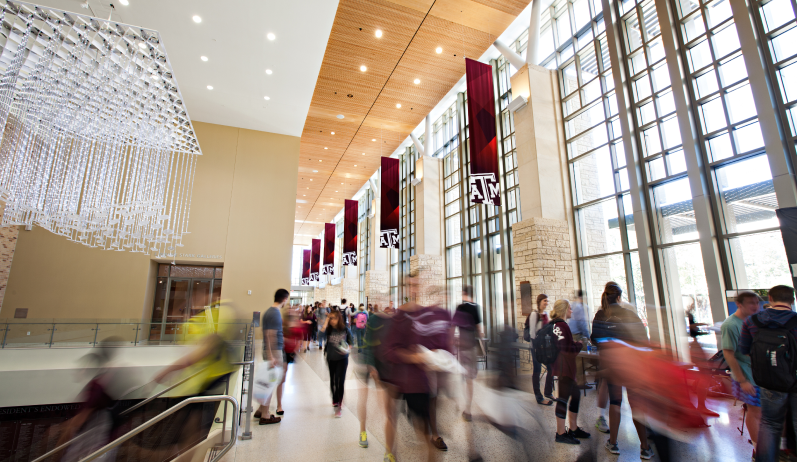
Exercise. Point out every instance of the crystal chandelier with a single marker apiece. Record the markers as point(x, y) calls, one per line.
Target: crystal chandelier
point(96, 143)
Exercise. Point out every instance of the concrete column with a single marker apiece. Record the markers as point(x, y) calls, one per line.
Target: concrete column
point(544, 241)
point(428, 205)
point(509, 54)
point(428, 149)
point(417, 144)
point(532, 53)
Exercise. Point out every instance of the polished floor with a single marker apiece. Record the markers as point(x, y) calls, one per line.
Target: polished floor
point(309, 431)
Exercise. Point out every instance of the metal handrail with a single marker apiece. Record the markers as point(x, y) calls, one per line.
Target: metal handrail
point(160, 393)
point(197, 399)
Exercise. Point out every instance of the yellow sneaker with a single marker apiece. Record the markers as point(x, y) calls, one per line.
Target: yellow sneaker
point(363, 440)
point(389, 457)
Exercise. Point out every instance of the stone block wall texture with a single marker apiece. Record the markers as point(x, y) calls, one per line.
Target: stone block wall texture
point(431, 279)
point(350, 288)
point(8, 243)
point(542, 256)
point(377, 287)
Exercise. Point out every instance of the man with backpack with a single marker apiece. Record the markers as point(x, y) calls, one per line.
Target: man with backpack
point(769, 338)
point(360, 320)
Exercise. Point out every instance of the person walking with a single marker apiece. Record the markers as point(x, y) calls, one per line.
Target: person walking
point(578, 323)
point(564, 367)
point(769, 338)
point(468, 319)
point(373, 359)
point(359, 323)
point(321, 320)
point(337, 351)
point(534, 322)
point(744, 387)
point(307, 320)
point(273, 351)
point(615, 322)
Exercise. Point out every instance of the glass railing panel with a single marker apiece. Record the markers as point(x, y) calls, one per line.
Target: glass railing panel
point(28, 335)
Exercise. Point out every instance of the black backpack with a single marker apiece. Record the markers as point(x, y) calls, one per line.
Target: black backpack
point(774, 356)
point(545, 349)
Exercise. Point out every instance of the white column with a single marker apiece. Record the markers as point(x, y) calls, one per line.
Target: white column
point(427, 137)
point(509, 54)
point(533, 51)
point(418, 144)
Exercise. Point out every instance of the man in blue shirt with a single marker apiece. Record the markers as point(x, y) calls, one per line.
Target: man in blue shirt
point(274, 353)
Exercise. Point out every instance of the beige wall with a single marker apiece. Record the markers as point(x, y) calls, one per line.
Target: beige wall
point(242, 214)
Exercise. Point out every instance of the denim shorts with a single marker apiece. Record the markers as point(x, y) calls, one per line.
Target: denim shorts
point(739, 394)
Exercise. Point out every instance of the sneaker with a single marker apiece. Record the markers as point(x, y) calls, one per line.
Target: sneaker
point(578, 433)
point(467, 417)
point(389, 457)
point(440, 444)
point(363, 440)
point(612, 447)
point(601, 425)
point(646, 454)
point(338, 413)
point(566, 438)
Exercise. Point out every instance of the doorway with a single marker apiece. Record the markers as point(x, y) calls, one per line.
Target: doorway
point(182, 292)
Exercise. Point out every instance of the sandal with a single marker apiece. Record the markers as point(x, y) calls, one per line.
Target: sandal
point(271, 420)
point(545, 403)
point(280, 412)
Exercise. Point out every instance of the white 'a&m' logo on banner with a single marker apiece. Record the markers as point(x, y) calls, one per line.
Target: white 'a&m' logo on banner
point(389, 239)
point(350, 258)
point(484, 188)
point(313, 277)
point(305, 281)
point(327, 269)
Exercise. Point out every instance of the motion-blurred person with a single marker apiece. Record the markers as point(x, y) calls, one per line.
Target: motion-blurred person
point(274, 352)
point(743, 385)
point(337, 350)
point(565, 368)
point(700, 359)
point(534, 322)
point(768, 338)
point(469, 321)
point(307, 319)
point(578, 323)
point(95, 416)
point(321, 320)
point(613, 321)
point(360, 321)
point(373, 359)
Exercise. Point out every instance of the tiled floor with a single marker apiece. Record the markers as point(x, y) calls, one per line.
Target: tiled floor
point(309, 431)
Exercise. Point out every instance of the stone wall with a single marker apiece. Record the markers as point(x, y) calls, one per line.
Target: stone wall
point(542, 256)
point(329, 293)
point(431, 279)
point(377, 287)
point(8, 243)
point(350, 287)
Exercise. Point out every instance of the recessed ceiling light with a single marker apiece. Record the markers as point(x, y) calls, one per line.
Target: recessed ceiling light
point(332, 133)
point(363, 68)
point(266, 98)
point(335, 191)
point(311, 179)
point(341, 183)
point(438, 50)
point(271, 36)
point(268, 71)
point(303, 195)
point(315, 171)
point(142, 45)
point(340, 116)
point(203, 58)
point(398, 105)
point(326, 147)
point(372, 139)
point(197, 19)
point(416, 81)
point(210, 87)
point(363, 153)
point(320, 160)
point(378, 33)
point(124, 2)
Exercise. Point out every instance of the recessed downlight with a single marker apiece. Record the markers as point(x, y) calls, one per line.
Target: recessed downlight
point(320, 160)
point(438, 50)
point(210, 87)
point(378, 33)
point(268, 71)
point(416, 81)
point(203, 58)
point(332, 133)
point(372, 139)
point(398, 105)
point(271, 36)
point(266, 98)
point(197, 19)
point(142, 45)
point(315, 171)
point(311, 179)
point(326, 147)
point(124, 2)
point(340, 116)
point(363, 68)
point(355, 165)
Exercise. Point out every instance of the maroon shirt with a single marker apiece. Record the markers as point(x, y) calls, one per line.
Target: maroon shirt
point(565, 364)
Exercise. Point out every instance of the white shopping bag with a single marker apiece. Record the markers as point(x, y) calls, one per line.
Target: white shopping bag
point(266, 380)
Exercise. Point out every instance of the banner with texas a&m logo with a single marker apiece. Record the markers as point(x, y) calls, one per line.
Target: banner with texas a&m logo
point(484, 186)
point(329, 249)
point(314, 259)
point(350, 212)
point(389, 225)
point(306, 267)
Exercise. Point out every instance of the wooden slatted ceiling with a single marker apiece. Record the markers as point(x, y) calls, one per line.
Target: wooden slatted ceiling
point(412, 30)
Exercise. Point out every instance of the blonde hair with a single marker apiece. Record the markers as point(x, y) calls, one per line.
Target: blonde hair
point(559, 310)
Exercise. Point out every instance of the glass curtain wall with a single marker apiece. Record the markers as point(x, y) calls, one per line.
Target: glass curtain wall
point(400, 258)
point(364, 239)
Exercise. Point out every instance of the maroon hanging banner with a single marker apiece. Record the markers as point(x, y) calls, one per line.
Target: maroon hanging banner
point(350, 211)
point(484, 186)
point(306, 267)
point(329, 249)
point(314, 260)
point(389, 226)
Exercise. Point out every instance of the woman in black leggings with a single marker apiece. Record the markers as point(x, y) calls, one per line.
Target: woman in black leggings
point(337, 351)
point(565, 368)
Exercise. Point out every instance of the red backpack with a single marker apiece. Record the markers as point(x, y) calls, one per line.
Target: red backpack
point(361, 319)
